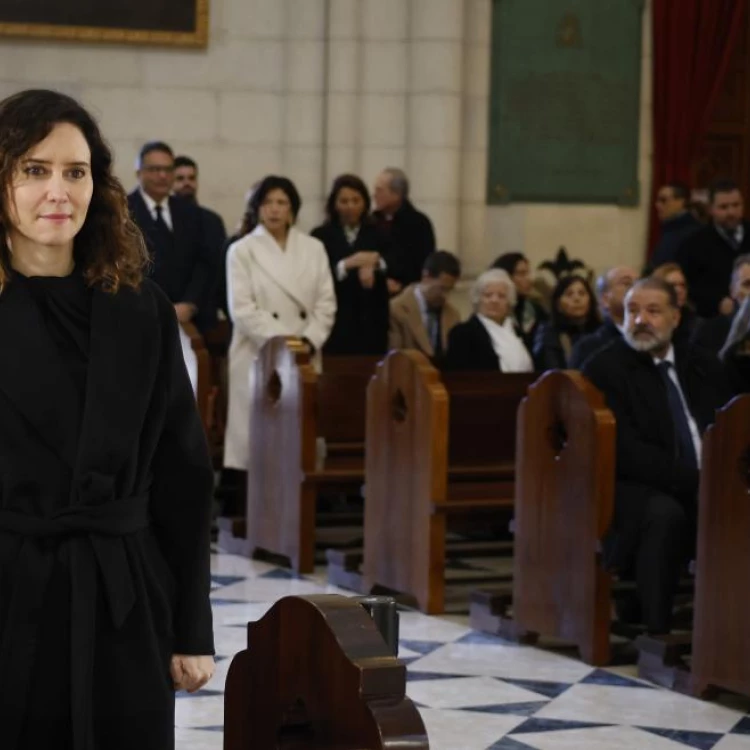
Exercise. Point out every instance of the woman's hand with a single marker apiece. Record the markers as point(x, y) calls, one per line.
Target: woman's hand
point(191, 673)
point(362, 259)
point(367, 277)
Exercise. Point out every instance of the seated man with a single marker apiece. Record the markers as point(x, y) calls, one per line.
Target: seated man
point(611, 288)
point(421, 317)
point(663, 394)
point(712, 334)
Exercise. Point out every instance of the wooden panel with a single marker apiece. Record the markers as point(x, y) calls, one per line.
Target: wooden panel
point(168, 22)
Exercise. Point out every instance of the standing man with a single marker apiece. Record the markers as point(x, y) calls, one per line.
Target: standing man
point(421, 316)
point(663, 394)
point(677, 223)
point(409, 231)
point(611, 288)
point(183, 264)
point(707, 257)
point(186, 186)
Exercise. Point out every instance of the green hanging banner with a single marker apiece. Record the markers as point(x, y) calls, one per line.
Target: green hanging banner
point(565, 101)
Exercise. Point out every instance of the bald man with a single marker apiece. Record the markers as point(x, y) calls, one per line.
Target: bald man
point(611, 288)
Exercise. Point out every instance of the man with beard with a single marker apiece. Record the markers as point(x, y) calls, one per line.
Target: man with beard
point(663, 394)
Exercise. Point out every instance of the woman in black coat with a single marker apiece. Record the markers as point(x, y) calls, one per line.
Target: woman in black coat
point(489, 340)
point(574, 314)
point(105, 479)
point(356, 251)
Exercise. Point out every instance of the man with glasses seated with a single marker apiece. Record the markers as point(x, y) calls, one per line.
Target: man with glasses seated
point(182, 262)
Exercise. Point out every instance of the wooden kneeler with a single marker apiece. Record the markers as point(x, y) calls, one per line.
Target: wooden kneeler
point(318, 675)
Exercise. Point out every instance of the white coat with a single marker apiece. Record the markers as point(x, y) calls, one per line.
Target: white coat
point(271, 292)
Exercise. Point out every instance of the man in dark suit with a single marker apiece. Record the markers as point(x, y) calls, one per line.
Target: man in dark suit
point(183, 264)
point(186, 186)
point(663, 395)
point(409, 232)
point(611, 288)
point(677, 223)
point(708, 255)
point(712, 334)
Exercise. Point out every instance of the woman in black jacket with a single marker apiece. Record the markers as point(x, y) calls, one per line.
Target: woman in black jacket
point(356, 250)
point(489, 340)
point(574, 314)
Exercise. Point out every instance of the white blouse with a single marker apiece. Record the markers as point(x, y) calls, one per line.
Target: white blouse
point(514, 357)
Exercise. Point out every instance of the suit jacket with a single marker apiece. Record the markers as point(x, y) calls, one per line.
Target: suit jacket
point(711, 334)
point(216, 238)
point(361, 325)
point(591, 343)
point(188, 271)
point(407, 330)
point(271, 292)
point(674, 232)
point(707, 258)
point(411, 239)
point(105, 515)
point(636, 394)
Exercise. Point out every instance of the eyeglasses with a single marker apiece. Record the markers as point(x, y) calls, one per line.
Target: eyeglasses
point(154, 169)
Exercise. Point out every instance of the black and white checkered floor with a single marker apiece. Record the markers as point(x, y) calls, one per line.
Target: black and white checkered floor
point(476, 692)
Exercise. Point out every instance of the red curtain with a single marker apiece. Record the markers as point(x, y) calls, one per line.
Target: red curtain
point(693, 43)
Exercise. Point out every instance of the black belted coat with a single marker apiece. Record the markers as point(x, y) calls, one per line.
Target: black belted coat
point(104, 527)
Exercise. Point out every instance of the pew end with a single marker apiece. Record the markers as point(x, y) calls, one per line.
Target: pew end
point(563, 507)
point(318, 675)
point(718, 657)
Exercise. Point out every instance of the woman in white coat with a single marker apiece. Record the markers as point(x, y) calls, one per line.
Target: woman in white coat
point(278, 284)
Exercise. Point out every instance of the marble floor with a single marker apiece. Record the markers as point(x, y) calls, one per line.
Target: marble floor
point(476, 692)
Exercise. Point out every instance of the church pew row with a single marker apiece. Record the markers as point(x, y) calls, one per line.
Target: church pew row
point(717, 655)
point(439, 456)
point(295, 412)
point(563, 507)
point(317, 675)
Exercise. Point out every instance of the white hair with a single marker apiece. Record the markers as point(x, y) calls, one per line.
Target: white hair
point(493, 276)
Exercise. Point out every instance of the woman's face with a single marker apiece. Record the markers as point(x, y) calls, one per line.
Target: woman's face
point(522, 277)
point(575, 302)
point(276, 211)
point(677, 280)
point(494, 302)
point(350, 206)
point(51, 190)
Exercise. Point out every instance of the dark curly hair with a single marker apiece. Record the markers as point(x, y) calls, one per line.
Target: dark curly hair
point(109, 247)
point(275, 182)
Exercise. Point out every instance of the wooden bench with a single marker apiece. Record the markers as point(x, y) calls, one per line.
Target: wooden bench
point(295, 411)
point(317, 675)
point(564, 504)
point(438, 447)
point(719, 649)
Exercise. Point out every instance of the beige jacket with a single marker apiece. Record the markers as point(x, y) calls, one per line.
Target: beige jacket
point(407, 330)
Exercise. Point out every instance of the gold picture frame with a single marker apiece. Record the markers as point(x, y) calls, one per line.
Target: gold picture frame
point(197, 37)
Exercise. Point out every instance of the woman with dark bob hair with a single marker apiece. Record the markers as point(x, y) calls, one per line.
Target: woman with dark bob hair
point(355, 250)
point(105, 479)
point(574, 314)
point(278, 284)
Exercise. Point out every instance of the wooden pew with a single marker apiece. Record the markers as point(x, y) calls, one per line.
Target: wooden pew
point(317, 675)
point(721, 621)
point(438, 448)
point(204, 388)
point(564, 502)
point(293, 407)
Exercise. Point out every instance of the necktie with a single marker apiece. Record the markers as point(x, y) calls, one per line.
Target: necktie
point(161, 225)
point(685, 446)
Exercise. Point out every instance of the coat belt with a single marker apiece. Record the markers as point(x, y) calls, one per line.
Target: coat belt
point(94, 537)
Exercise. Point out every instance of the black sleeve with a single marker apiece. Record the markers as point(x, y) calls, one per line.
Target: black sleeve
point(547, 350)
point(207, 260)
point(691, 256)
point(637, 460)
point(181, 498)
point(460, 351)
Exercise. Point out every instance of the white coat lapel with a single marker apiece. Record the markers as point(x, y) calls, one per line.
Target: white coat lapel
point(281, 266)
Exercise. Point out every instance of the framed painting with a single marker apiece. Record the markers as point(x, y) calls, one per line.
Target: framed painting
point(181, 23)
